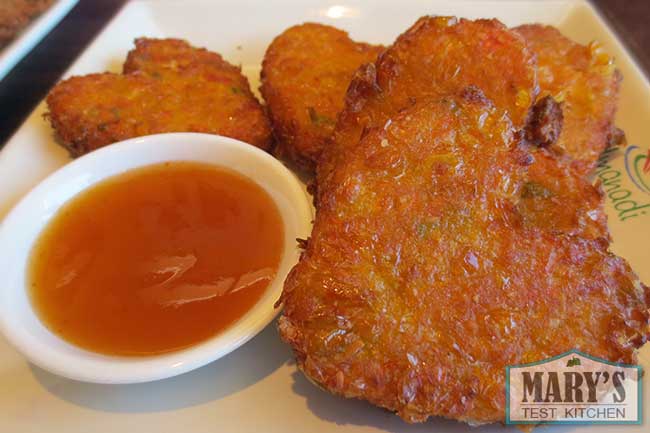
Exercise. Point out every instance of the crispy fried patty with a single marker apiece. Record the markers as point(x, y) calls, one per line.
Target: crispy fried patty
point(168, 86)
point(434, 264)
point(305, 74)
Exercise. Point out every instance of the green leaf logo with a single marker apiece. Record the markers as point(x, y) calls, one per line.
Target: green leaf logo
point(637, 165)
point(573, 362)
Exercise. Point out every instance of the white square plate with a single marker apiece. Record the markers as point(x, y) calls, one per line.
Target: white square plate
point(33, 34)
point(257, 388)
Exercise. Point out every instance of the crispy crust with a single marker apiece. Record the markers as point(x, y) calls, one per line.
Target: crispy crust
point(160, 56)
point(433, 265)
point(305, 74)
point(586, 82)
point(436, 57)
point(168, 86)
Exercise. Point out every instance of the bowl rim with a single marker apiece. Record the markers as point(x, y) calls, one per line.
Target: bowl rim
point(76, 363)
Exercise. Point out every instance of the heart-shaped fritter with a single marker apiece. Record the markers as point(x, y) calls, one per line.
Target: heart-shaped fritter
point(429, 269)
point(168, 86)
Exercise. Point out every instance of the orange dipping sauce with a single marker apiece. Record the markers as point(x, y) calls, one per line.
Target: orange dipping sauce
point(156, 259)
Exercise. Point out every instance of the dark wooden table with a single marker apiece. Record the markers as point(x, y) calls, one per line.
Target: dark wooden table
point(30, 80)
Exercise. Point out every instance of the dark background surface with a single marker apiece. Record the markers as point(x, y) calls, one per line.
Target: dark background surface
point(30, 80)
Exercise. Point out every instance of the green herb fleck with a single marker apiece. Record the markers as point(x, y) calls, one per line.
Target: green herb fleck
point(318, 119)
point(425, 228)
point(236, 90)
point(535, 190)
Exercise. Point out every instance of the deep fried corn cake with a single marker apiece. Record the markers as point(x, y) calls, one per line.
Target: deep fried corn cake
point(586, 82)
point(305, 74)
point(437, 56)
point(427, 273)
point(168, 86)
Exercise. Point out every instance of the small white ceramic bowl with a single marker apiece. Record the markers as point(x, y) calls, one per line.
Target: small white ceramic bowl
point(24, 223)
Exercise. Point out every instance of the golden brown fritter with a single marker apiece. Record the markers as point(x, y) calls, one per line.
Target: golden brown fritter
point(437, 56)
point(585, 81)
point(430, 268)
point(169, 87)
point(305, 74)
point(16, 14)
